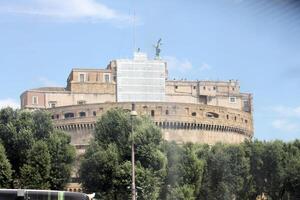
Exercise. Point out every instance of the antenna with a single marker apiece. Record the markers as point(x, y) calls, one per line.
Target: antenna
point(134, 34)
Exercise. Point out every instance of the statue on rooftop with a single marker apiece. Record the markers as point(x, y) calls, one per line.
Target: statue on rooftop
point(157, 48)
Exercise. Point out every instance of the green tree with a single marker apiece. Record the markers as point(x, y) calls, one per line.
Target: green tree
point(184, 192)
point(62, 156)
point(42, 124)
point(16, 134)
point(227, 173)
point(267, 168)
point(106, 166)
point(291, 184)
point(35, 173)
point(185, 172)
point(20, 130)
point(5, 169)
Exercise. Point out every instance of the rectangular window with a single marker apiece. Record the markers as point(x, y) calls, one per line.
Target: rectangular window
point(152, 113)
point(81, 102)
point(81, 78)
point(232, 99)
point(52, 105)
point(35, 100)
point(106, 78)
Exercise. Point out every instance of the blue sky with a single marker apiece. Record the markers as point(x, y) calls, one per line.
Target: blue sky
point(256, 42)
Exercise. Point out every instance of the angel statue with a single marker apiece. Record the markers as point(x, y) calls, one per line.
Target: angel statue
point(157, 48)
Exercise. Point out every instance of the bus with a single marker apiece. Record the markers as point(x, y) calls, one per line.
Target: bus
point(27, 194)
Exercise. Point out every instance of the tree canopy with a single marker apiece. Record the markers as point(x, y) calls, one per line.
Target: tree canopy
point(106, 166)
point(166, 170)
point(40, 156)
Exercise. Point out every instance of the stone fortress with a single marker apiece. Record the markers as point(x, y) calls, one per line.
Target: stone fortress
point(186, 111)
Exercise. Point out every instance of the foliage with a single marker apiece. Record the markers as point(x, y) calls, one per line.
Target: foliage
point(34, 155)
point(106, 167)
point(5, 169)
point(35, 173)
point(62, 156)
point(166, 170)
point(23, 135)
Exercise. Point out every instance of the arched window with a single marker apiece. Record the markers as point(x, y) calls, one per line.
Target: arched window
point(69, 115)
point(212, 115)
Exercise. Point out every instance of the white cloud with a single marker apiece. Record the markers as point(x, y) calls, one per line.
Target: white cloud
point(184, 64)
point(286, 125)
point(287, 111)
point(175, 63)
point(9, 103)
point(286, 118)
point(46, 82)
point(90, 10)
point(204, 66)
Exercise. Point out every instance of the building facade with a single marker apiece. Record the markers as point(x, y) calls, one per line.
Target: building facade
point(186, 111)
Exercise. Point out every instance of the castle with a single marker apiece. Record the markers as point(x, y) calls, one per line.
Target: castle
point(186, 111)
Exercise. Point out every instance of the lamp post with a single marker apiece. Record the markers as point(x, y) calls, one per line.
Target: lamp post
point(133, 114)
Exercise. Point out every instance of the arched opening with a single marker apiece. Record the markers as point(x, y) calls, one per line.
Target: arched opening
point(69, 115)
point(212, 115)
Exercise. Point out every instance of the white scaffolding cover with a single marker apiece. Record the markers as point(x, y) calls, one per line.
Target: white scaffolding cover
point(140, 79)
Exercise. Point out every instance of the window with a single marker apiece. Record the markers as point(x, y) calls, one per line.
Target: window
point(35, 100)
point(232, 99)
point(232, 88)
point(167, 112)
point(176, 87)
point(69, 115)
point(52, 104)
point(55, 116)
point(82, 114)
point(212, 115)
point(152, 113)
point(81, 102)
point(194, 114)
point(214, 87)
point(194, 87)
point(204, 88)
point(227, 116)
point(187, 111)
point(81, 78)
point(94, 113)
point(106, 78)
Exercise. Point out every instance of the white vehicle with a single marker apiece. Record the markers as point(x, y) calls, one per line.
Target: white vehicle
point(27, 194)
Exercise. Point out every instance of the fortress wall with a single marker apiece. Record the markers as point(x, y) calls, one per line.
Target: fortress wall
point(203, 137)
point(82, 134)
point(180, 122)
